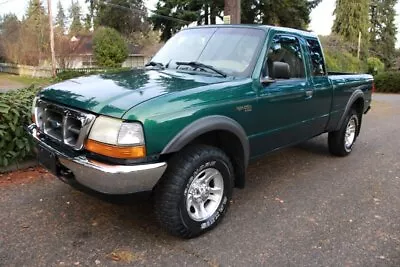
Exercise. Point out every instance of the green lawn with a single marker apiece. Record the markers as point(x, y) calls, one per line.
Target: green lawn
point(24, 80)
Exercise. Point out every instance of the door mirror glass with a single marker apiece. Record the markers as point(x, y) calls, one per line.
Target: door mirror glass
point(280, 70)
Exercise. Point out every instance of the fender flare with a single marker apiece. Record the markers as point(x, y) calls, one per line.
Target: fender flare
point(205, 125)
point(357, 94)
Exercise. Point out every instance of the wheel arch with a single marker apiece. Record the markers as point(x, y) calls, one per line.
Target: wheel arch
point(356, 101)
point(220, 131)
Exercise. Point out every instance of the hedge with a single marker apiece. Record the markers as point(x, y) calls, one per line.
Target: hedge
point(388, 82)
point(15, 113)
point(343, 62)
point(375, 65)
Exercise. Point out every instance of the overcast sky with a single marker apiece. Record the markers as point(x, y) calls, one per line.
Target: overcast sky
point(321, 17)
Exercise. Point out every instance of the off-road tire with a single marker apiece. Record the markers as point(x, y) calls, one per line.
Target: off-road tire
point(337, 139)
point(170, 194)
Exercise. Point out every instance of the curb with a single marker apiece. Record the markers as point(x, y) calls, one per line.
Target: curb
point(19, 166)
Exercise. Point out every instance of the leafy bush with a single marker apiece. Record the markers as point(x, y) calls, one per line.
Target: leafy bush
point(375, 65)
point(340, 55)
point(109, 48)
point(388, 82)
point(69, 74)
point(15, 113)
point(342, 62)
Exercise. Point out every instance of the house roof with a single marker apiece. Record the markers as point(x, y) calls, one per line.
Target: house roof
point(82, 45)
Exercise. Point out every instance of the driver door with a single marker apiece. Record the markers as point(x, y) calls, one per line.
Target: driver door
point(283, 103)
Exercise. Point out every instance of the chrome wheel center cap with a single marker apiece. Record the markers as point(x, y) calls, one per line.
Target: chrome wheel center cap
point(200, 192)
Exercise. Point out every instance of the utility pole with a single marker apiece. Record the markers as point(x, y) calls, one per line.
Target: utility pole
point(232, 11)
point(359, 45)
point(53, 56)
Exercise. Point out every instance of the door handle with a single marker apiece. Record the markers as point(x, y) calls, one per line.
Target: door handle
point(309, 93)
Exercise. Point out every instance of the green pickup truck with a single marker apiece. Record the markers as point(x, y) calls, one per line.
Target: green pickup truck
point(211, 100)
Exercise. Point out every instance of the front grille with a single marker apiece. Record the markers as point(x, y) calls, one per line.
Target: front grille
point(65, 125)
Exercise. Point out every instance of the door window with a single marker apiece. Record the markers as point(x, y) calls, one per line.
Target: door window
point(286, 49)
point(317, 60)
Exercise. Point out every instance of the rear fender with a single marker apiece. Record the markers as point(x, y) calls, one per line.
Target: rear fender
point(357, 94)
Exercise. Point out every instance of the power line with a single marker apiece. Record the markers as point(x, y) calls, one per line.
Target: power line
point(145, 13)
point(4, 2)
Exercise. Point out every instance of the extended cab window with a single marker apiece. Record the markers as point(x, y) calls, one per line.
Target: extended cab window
point(286, 49)
point(317, 60)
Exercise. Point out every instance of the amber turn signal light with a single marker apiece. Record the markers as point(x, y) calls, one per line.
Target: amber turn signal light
point(118, 152)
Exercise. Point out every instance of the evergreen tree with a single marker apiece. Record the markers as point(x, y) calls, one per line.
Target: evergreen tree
point(60, 18)
point(383, 30)
point(36, 26)
point(93, 6)
point(184, 12)
point(352, 17)
point(289, 13)
point(75, 15)
point(125, 16)
point(35, 14)
point(88, 23)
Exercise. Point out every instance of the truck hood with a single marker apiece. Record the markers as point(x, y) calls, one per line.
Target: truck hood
point(114, 94)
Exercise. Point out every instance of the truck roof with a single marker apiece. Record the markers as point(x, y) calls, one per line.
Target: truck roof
point(259, 26)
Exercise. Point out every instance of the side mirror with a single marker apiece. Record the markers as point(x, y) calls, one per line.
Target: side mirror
point(267, 80)
point(280, 70)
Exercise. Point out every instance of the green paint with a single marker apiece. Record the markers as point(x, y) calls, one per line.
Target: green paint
point(166, 101)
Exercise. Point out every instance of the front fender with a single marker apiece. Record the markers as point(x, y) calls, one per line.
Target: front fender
point(205, 125)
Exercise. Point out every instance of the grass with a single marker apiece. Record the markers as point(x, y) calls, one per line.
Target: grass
point(25, 80)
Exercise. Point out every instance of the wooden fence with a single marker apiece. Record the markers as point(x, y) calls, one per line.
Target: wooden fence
point(46, 72)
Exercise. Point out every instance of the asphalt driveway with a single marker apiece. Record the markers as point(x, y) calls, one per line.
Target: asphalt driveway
point(301, 207)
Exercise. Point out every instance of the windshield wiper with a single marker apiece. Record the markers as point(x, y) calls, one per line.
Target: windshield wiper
point(155, 64)
point(198, 65)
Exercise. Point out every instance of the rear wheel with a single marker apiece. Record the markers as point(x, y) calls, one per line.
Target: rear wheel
point(194, 193)
point(341, 142)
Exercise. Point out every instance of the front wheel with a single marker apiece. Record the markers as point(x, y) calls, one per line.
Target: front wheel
point(194, 193)
point(341, 142)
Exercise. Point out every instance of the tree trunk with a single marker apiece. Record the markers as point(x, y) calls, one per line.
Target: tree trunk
point(206, 14)
point(213, 13)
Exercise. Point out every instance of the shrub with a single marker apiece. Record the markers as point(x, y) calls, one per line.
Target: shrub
point(69, 74)
point(340, 55)
point(15, 113)
point(375, 65)
point(109, 48)
point(342, 62)
point(388, 82)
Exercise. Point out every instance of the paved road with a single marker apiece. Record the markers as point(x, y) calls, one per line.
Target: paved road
point(301, 207)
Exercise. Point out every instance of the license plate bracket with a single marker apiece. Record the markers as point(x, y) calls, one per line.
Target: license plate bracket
point(47, 159)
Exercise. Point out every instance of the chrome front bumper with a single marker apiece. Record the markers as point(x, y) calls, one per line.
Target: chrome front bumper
point(105, 178)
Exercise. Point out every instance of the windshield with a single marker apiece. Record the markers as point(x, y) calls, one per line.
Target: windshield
point(231, 50)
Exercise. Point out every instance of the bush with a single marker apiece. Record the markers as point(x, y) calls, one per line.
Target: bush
point(388, 82)
point(375, 65)
point(340, 55)
point(15, 113)
point(69, 74)
point(342, 62)
point(109, 48)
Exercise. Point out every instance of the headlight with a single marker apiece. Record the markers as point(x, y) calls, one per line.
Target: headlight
point(117, 139)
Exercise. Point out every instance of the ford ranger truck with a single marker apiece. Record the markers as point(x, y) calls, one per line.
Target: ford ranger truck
point(187, 125)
